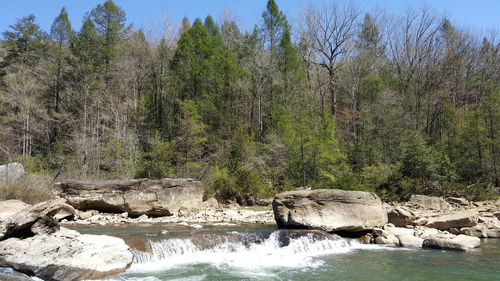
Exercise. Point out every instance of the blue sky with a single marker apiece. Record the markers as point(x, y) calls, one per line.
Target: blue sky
point(477, 14)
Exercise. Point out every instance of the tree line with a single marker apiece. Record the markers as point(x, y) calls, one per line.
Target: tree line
point(391, 104)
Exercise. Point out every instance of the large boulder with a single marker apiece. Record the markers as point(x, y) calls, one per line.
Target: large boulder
point(66, 255)
point(453, 220)
point(36, 219)
point(329, 209)
point(458, 243)
point(11, 171)
point(137, 197)
point(429, 202)
point(11, 207)
point(400, 216)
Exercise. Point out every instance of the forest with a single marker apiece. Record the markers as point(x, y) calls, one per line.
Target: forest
point(338, 98)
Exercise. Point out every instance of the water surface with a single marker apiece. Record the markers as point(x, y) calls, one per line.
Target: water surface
point(256, 252)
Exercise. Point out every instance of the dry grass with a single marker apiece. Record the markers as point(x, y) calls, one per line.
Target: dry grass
point(29, 189)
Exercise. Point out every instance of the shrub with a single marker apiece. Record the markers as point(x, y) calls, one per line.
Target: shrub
point(29, 189)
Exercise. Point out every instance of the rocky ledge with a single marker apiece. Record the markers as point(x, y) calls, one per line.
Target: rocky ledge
point(137, 197)
point(208, 215)
point(32, 242)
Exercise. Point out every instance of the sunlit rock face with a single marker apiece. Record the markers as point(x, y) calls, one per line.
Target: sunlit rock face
point(329, 209)
point(137, 197)
point(66, 255)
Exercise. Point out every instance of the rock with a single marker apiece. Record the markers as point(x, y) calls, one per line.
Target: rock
point(398, 231)
point(11, 171)
point(400, 217)
point(366, 239)
point(329, 209)
point(420, 221)
point(380, 232)
point(66, 255)
point(137, 197)
point(497, 214)
point(493, 233)
point(210, 203)
point(410, 241)
point(87, 214)
point(142, 217)
point(124, 215)
point(46, 225)
point(425, 232)
point(459, 243)
point(264, 202)
point(458, 201)
point(11, 207)
point(429, 202)
point(457, 219)
point(65, 212)
point(490, 222)
point(486, 214)
point(15, 276)
point(475, 231)
point(19, 224)
point(391, 240)
point(138, 243)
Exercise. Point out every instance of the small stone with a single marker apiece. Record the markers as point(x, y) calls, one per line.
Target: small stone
point(458, 200)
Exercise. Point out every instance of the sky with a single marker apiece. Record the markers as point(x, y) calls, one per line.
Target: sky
point(480, 15)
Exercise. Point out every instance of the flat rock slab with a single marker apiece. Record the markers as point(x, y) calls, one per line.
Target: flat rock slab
point(410, 241)
point(458, 243)
point(429, 203)
point(137, 197)
point(66, 256)
point(453, 220)
point(11, 207)
point(329, 209)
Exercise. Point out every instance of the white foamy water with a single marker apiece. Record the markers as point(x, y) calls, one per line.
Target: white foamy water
point(297, 252)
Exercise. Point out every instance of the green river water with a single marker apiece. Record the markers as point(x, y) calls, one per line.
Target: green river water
point(256, 252)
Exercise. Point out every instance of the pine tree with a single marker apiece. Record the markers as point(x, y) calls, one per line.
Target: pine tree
point(24, 42)
point(274, 24)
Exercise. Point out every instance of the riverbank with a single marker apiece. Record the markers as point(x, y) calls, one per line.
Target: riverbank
point(228, 215)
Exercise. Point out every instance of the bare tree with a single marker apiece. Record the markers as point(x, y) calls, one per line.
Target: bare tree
point(331, 28)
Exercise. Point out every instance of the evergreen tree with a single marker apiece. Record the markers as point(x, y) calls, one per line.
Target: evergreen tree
point(274, 24)
point(109, 21)
point(24, 42)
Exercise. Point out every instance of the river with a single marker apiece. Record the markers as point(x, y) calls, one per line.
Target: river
point(260, 252)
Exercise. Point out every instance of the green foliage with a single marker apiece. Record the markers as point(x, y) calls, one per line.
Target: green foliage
point(24, 42)
point(420, 161)
point(157, 160)
point(61, 31)
point(109, 21)
point(274, 24)
point(331, 160)
point(251, 113)
point(192, 138)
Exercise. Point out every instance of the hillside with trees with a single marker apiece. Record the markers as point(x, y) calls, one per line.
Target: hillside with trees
point(394, 104)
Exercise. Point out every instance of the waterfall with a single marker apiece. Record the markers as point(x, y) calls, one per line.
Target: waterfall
point(244, 250)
